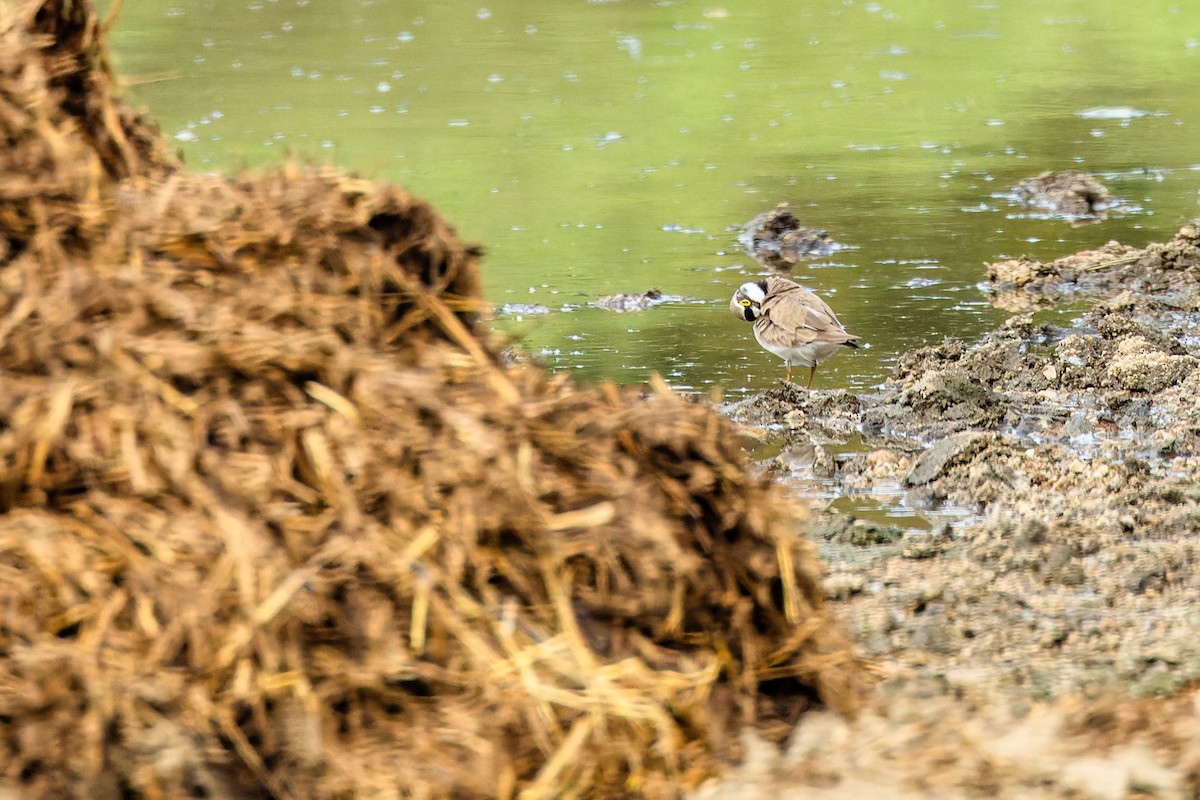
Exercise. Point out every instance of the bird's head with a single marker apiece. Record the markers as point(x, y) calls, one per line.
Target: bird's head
point(747, 300)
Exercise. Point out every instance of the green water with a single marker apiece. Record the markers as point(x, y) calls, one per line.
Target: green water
point(603, 147)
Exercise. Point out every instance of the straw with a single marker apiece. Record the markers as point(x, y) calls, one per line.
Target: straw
point(278, 521)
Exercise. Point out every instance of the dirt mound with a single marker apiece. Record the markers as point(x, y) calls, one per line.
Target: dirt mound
point(277, 522)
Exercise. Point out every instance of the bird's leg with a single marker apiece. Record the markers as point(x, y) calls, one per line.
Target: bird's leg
point(812, 371)
point(788, 377)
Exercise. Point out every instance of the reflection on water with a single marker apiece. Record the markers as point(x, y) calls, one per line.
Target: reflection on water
point(606, 147)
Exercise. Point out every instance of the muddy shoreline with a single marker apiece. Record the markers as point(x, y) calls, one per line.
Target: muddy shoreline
point(1066, 574)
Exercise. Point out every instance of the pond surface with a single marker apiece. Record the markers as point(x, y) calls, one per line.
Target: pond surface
point(605, 147)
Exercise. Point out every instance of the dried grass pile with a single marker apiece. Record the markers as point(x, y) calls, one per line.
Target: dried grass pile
point(277, 523)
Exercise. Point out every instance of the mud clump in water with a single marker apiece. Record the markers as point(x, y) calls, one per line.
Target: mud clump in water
point(776, 238)
point(624, 303)
point(1072, 194)
point(1159, 273)
point(275, 521)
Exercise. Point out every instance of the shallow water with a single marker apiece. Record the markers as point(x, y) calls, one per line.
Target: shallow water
point(604, 147)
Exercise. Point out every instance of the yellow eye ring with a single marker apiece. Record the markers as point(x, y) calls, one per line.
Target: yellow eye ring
point(746, 301)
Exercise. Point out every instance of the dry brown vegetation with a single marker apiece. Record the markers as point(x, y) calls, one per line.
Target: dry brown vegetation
point(277, 522)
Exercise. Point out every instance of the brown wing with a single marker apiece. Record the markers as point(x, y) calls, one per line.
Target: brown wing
point(793, 316)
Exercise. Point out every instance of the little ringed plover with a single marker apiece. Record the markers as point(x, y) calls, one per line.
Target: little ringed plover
point(791, 322)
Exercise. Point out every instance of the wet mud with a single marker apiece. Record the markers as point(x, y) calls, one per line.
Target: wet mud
point(1023, 564)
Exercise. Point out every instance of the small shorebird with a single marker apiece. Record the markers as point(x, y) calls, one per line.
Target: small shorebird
point(791, 322)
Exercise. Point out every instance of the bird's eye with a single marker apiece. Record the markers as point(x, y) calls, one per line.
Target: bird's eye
point(746, 301)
